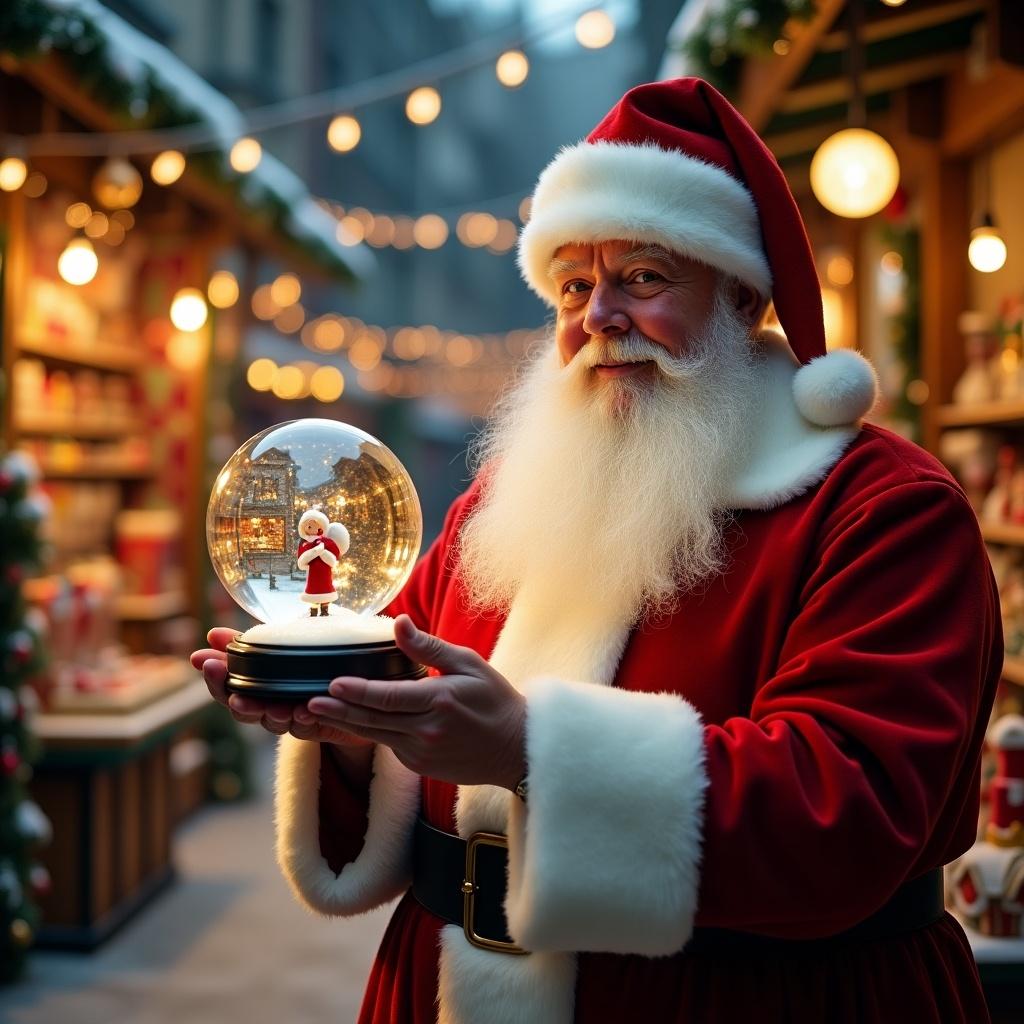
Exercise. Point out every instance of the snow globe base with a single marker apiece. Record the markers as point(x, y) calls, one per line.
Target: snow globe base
point(269, 672)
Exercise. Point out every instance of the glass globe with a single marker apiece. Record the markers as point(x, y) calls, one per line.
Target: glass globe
point(335, 481)
point(854, 173)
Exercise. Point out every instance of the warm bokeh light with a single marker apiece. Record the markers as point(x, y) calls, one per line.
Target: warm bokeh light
point(290, 319)
point(512, 68)
point(839, 270)
point(115, 233)
point(167, 167)
point(423, 105)
point(246, 155)
point(350, 230)
point(35, 185)
point(78, 263)
point(504, 237)
point(891, 263)
point(222, 291)
point(409, 343)
point(96, 226)
point(286, 289)
point(382, 232)
point(894, 3)
point(854, 173)
point(832, 314)
point(524, 209)
point(476, 229)
point(594, 29)
point(344, 133)
point(77, 215)
point(987, 250)
point(117, 184)
point(186, 351)
point(328, 334)
point(263, 305)
point(460, 350)
point(430, 231)
point(13, 172)
point(326, 384)
point(261, 373)
point(288, 382)
point(188, 309)
point(404, 233)
point(365, 352)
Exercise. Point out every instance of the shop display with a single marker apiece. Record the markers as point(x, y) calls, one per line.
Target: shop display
point(981, 380)
point(313, 514)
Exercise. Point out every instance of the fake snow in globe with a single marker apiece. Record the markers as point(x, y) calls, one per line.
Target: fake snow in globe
point(313, 527)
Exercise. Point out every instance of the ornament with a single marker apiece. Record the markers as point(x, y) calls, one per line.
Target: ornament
point(31, 823)
point(20, 647)
point(8, 705)
point(15, 574)
point(272, 543)
point(39, 879)
point(21, 932)
point(9, 762)
point(6, 480)
point(11, 893)
point(117, 184)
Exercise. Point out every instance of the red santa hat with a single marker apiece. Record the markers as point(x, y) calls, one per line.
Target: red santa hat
point(674, 163)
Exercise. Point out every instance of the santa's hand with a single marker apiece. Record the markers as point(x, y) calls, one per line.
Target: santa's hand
point(274, 716)
point(466, 726)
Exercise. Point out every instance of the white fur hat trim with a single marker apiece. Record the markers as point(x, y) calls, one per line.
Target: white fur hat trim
point(313, 515)
point(604, 191)
point(835, 389)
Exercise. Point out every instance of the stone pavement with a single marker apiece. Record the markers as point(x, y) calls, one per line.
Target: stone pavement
point(226, 944)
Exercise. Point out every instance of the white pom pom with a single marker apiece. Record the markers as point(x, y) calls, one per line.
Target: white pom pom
point(339, 535)
point(836, 388)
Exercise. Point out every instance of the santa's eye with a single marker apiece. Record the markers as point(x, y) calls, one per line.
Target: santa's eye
point(645, 277)
point(574, 287)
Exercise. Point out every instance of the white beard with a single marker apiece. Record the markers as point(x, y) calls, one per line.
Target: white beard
point(610, 490)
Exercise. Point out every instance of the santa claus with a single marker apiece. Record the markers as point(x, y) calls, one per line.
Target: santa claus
point(711, 657)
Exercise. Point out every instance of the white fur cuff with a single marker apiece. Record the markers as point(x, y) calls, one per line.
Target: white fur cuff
point(306, 557)
point(604, 855)
point(383, 868)
point(329, 557)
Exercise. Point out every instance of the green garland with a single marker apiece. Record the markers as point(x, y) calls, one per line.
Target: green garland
point(23, 827)
point(34, 29)
point(725, 37)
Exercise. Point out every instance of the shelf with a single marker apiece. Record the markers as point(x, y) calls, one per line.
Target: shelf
point(1005, 413)
point(1003, 533)
point(113, 358)
point(142, 607)
point(98, 473)
point(75, 427)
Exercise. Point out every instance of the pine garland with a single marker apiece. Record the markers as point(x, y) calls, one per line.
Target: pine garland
point(23, 826)
point(728, 35)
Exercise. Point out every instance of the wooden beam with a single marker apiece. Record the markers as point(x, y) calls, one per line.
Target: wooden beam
point(982, 105)
point(1006, 23)
point(903, 21)
point(764, 80)
point(877, 80)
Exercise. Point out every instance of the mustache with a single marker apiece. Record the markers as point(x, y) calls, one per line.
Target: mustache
point(635, 347)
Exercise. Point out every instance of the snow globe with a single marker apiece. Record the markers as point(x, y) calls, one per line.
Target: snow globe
point(313, 527)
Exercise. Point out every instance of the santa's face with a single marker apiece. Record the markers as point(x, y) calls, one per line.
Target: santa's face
point(311, 530)
point(611, 290)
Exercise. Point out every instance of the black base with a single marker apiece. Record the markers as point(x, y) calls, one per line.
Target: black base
point(299, 673)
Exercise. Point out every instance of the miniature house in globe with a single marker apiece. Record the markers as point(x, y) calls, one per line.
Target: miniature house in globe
point(313, 527)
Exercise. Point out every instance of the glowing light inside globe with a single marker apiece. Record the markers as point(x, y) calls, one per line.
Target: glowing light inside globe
point(260, 496)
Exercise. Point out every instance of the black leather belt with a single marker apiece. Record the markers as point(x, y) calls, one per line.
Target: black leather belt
point(463, 882)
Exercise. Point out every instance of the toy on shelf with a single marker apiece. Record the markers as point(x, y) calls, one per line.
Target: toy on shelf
point(986, 884)
point(982, 380)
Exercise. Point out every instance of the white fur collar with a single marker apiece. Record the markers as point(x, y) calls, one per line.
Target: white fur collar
point(787, 451)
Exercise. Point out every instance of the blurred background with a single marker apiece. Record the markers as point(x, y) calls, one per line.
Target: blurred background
point(217, 216)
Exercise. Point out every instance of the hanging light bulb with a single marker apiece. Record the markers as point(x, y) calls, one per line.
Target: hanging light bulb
point(512, 68)
point(167, 167)
point(117, 184)
point(594, 29)
point(188, 309)
point(245, 155)
point(987, 250)
point(854, 173)
point(78, 263)
point(13, 172)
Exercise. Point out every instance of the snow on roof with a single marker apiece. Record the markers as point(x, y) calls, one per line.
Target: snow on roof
point(138, 59)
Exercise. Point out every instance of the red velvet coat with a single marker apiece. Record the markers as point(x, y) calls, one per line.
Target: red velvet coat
point(843, 669)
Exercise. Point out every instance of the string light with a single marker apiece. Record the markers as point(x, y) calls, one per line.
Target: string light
point(13, 172)
point(245, 155)
point(987, 250)
point(423, 105)
point(261, 373)
point(96, 226)
point(344, 133)
point(512, 67)
point(222, 291)
point(854, 173)
point(188, 310)
point(430, 231)
point(117, 184)
point(286, 290)
point(77, 215)
point(326, 383)
point(78, 263)
point(167, 167)
point(35, 185)
point(594, 30)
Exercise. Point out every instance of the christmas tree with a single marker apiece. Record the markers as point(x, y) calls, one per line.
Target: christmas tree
point(23, 826)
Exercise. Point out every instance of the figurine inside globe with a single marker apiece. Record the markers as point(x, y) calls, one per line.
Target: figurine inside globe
point(313, 527)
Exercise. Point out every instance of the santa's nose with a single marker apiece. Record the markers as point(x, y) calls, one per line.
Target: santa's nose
point(320, 533)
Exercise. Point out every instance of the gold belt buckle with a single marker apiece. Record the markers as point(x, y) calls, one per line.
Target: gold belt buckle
point(469, 890)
